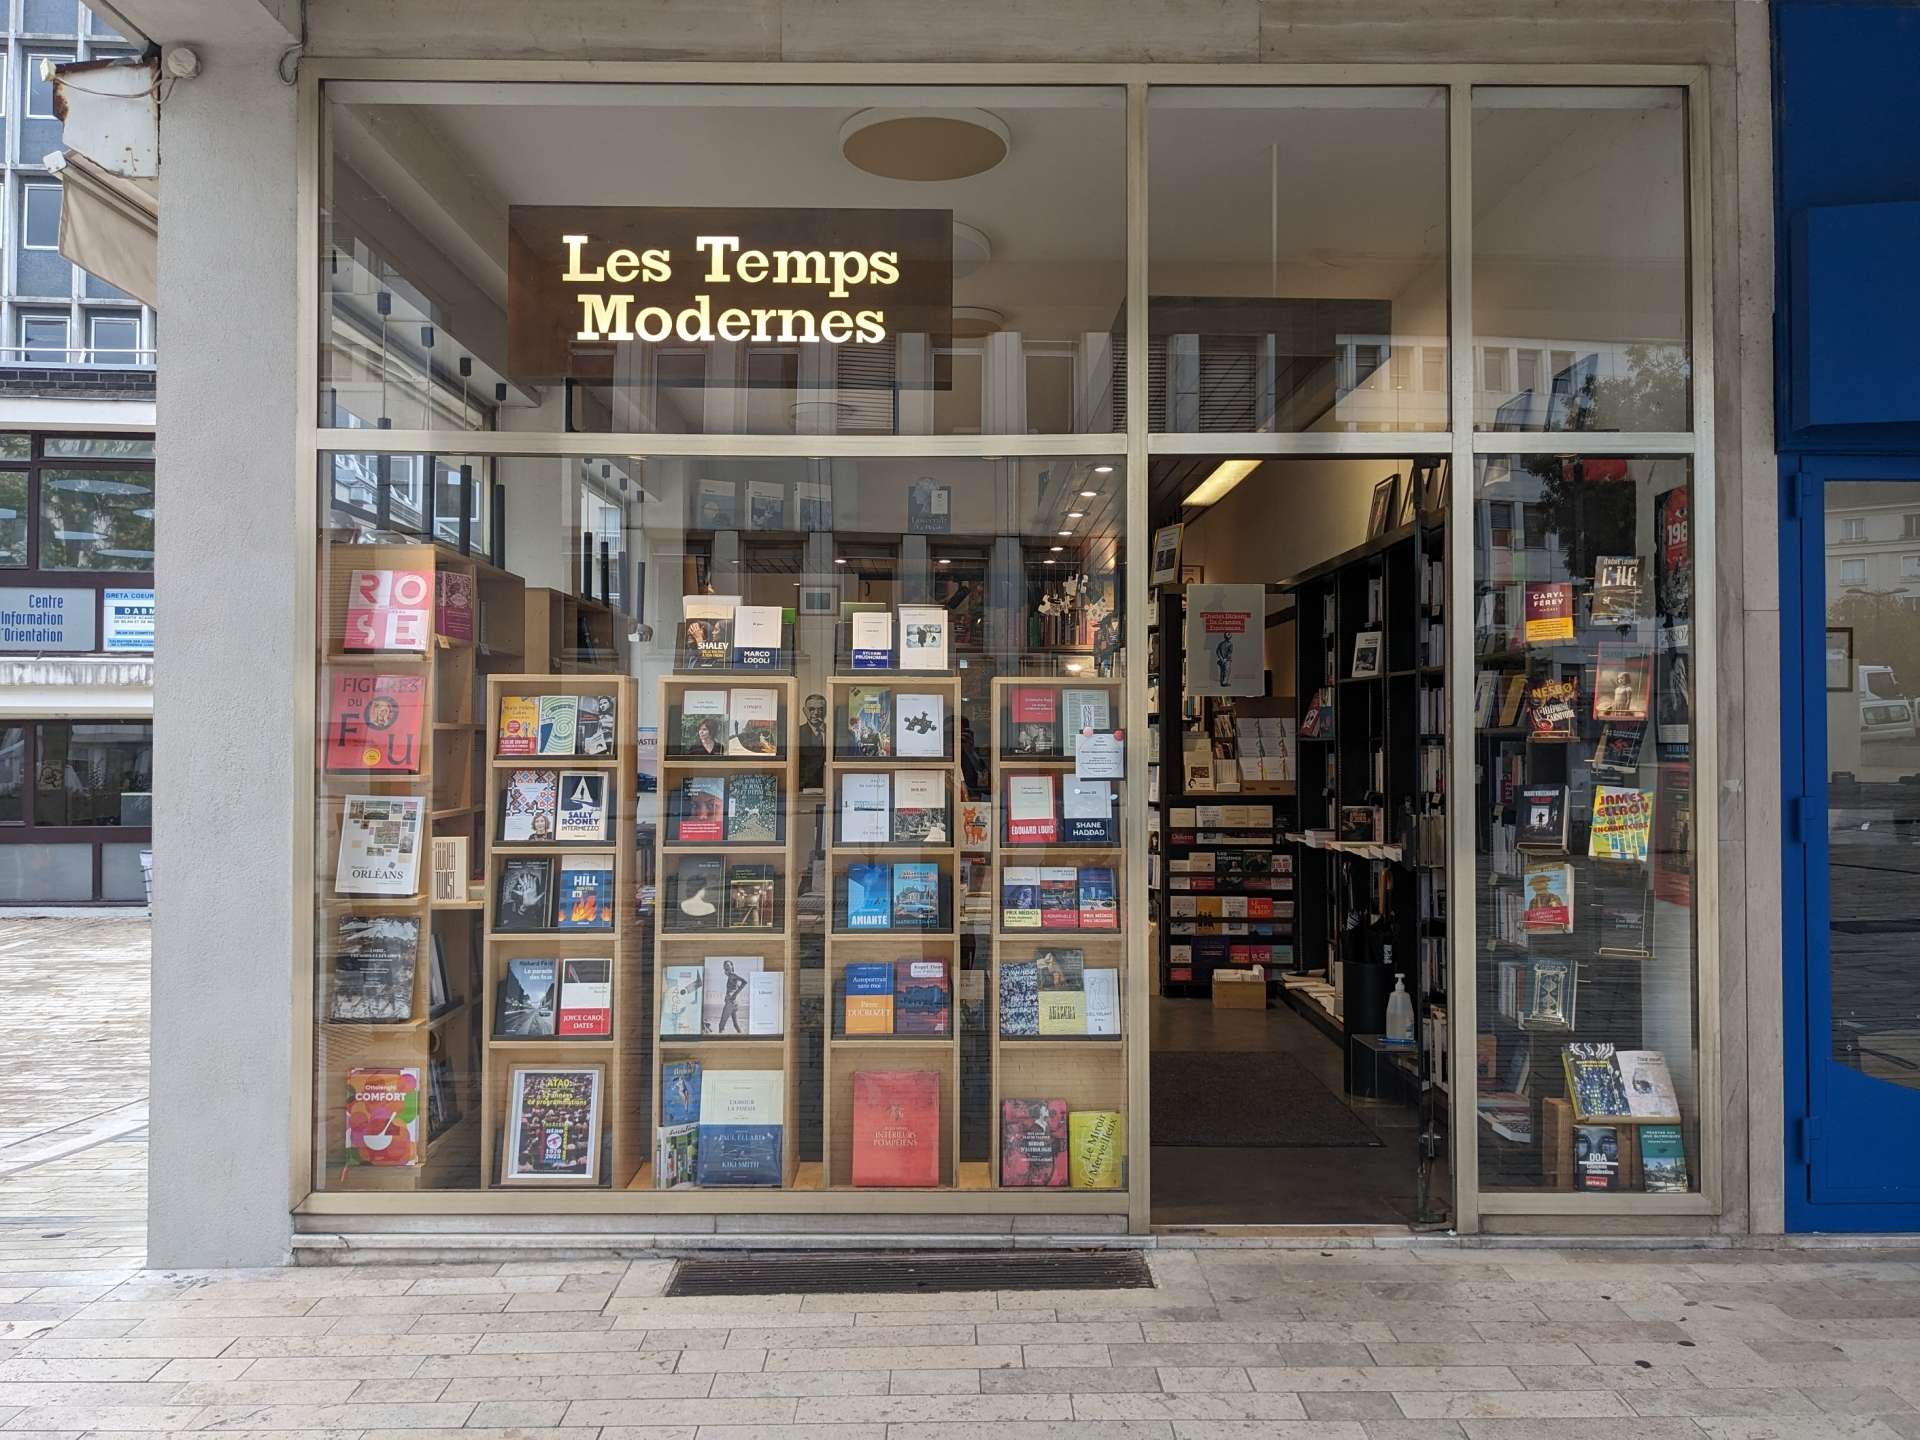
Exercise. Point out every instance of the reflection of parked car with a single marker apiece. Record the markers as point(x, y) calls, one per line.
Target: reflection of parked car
point(1886, 720)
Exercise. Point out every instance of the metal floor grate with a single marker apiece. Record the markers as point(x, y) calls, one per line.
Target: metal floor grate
point(885, 1272)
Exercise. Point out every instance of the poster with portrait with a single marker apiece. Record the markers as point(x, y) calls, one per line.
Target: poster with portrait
point(1226, 639)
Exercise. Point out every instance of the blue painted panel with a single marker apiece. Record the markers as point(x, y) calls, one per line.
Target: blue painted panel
point(1861, 312)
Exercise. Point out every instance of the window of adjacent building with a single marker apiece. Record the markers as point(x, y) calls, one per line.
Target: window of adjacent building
point(1910, 566)
point(1298, 239)
point(96, 519)
point(97, 447)
point(40, 91)
point(40, 217)
point(1552, 271)
point(13, 774)
point(113, 339)
point(13, 518)
point(1853, 528)
point(95, 25)
point(49, 17)
point(43, 339)
point(93, 773)
point(1910, 527)
point(1853, 572)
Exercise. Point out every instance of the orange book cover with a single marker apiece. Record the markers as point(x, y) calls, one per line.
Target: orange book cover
point(896, 1128)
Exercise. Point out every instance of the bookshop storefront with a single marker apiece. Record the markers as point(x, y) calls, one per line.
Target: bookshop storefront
point(744, 739)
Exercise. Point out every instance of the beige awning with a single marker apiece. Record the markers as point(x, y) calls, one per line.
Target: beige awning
point(109, 225)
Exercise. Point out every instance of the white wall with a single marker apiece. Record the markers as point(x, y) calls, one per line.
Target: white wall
point(230, 657)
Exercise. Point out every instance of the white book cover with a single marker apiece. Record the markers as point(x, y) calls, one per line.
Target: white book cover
point(756, 627)
point(1649, 1085)
point(767, 1010)
point(1083, 710)
point(680, 1003)
point(742, 1097)
point(924, 790)
point(866, 805)
point(923, 637)
point(1103, 1001)
point(727, 995)
point(920, 726)
point(1085, 799)
point(754, 717)
point(379, 845)
point(766, 505)
point(872, 639)
point(1029, 797)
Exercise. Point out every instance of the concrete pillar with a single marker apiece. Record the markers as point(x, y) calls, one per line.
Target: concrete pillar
point(228, 653)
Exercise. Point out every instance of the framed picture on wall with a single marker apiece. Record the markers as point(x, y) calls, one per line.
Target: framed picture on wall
point(1166, 555)
point(1839, 658)
point(1380, 516)
point(1408, 510)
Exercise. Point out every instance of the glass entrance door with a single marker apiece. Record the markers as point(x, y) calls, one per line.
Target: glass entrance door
point(1860, 825)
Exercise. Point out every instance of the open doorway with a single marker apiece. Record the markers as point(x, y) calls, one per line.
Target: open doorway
point(1298, 842)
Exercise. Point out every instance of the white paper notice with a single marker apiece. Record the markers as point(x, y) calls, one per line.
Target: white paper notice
point(1101, 756)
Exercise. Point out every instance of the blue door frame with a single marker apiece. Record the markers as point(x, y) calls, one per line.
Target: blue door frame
point(1825, 1123)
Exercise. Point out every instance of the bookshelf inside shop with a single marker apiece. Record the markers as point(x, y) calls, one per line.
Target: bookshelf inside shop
point(1583, 707)
point(573, 635)
point(408, 635)
point(1224, 804)
point(726, 942)
point(895, 793)
point(1059, 956)
point(562, 1061)
point(1370, 863)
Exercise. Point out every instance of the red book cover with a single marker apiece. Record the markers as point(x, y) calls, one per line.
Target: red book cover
point(1259, 907)
point(586, 998)
point(1029, 809)
point(922, 998)
point(1059, 898)
point(453, 616)
point(1033, 1140)
point(1035, 705)
point(896, 1128)
point(389, 610)
point(374, 721)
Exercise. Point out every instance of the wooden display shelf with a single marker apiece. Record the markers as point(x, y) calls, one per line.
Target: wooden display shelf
point(554, 622)
point(1088, 1072)
point(846, 1055)
point(778, 947)
point(619, 1055)
point(446, 783)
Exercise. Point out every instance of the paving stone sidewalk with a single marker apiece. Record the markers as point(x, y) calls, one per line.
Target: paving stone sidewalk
point(1317, 1343)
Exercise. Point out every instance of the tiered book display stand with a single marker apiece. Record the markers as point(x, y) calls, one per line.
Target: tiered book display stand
point(441, 765)
point(1088, 1072)
point(619, 1054)
point(677, 945)
point(848, 1054)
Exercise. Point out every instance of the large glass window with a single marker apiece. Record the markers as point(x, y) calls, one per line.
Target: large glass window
point(798, 697)
point(1587, 981)
point(96, 519)
point(1580, 259)
point(93, 773)
point(1298, 259)
point(13, 518)
point(997, 313)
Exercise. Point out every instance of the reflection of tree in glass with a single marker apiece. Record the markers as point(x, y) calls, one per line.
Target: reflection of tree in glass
point(96, 520)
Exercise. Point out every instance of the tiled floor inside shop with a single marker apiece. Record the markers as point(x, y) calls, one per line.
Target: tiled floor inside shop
point(1334, 1339)
point(1305, 1185)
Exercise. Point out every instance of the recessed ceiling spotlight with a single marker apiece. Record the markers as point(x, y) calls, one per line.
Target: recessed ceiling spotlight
point(946, 562)
point(1056, 548)
point(1076, 514)
point(1064, 532)
point(1088, 494)
point(1049, 561)
point(839, 562)
point(1103, 469)
point(924, 144)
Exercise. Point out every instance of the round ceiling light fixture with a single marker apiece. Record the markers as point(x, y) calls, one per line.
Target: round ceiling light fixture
point(971, 249)
point(976, 322)
point(924, 144)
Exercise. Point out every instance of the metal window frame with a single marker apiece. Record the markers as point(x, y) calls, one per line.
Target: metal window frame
point(412, 81)
point(29, 54)
point(27, 188)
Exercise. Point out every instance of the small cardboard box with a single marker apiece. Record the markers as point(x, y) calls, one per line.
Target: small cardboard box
point(1239, 990)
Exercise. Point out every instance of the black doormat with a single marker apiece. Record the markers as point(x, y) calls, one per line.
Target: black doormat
point(1247, 1098)
point(891, 1272)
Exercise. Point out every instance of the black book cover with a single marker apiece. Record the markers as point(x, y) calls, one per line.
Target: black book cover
point(696, 898)
point(525, 898)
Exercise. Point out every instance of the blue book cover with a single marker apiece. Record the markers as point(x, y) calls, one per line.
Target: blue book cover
point(680, 1092)
point(869, 897)
point(870, 978)
point(741, 1122)
point(916, 895)
point(585, 894)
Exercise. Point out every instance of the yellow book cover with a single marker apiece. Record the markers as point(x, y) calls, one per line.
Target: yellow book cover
point(1063, 1012)
point(519, 725)
point(1098, 1148)
point(869, 1014)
